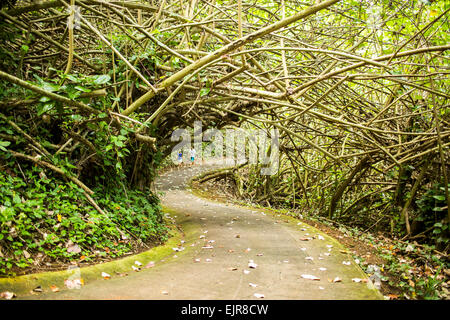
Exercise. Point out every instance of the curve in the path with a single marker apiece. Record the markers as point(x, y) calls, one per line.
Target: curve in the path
point(220, 246)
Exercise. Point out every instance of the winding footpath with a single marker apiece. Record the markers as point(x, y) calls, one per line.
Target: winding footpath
point(231, 252)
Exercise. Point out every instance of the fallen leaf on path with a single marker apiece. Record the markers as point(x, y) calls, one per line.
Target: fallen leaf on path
point(121, 274)
point(208, 247)
point(252, 285)
point(232, 268)
point(202, 236)
point(73, 284)
point(106, 276)
point(259, 295)
point(310, 277)
point(320, 237)
point(248, 250)
point(305, 239)
point(321, 288)
point(164, 292)
point(178, 249)
point(237, 236)
point(251, 264)
point(246, 271)
point(38, 289)
point(337, 279)
point(54, 288)
point(208, 260)
point(230, 251)
point(309, 258)
point(197, 260)
point(7, 295)
point(259, 254)
point(136, 268)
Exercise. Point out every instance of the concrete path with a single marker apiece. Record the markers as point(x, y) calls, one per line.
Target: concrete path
point(230, 252)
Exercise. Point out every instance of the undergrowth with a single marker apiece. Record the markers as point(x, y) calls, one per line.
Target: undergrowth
point(45, 220)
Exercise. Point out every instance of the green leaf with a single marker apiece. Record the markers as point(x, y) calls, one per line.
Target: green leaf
point(204, 91)
point(102, 79)
point(439, 197)
point(80, 88)
point(44, 108)
point(44, 99)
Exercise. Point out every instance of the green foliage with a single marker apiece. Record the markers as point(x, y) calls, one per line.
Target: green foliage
point(42, 214)
point(432, 212)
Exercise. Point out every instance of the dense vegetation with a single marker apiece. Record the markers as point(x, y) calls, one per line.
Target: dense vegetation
point(89, 96)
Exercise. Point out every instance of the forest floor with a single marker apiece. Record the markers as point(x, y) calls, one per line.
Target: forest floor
point(232, 252)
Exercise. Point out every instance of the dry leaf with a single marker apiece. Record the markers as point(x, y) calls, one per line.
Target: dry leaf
point(73, 284)
point(237, 236)
point(232, 268)
point(309, 258)
point(337, 279)
point(164, 292)
point(38, 289)
point(54, 288)
point(136, 268)
point(252, 285)
point(74, 248)
point(310, 277)
point(251, 264)
point(106, 276)
point(7, 295)
point(259, 295)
